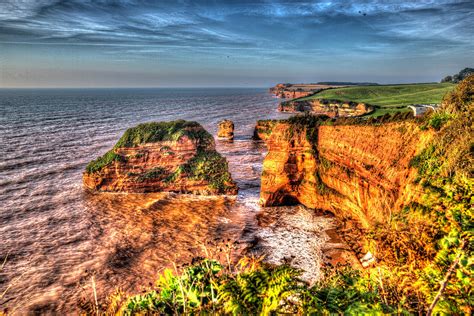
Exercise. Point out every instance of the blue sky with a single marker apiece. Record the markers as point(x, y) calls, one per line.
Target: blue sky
point(133, 43)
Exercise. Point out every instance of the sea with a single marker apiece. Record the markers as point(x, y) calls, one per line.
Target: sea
point(60, 244)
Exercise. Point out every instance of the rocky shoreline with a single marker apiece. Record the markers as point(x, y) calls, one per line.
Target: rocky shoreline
point(353, 169)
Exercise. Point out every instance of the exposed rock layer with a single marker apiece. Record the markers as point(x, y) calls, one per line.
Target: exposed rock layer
point(293, 91)
point(174, 156)
point(332, 108)
point(361, 171)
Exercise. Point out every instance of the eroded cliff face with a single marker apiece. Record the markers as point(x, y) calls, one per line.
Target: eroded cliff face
point(358, 171)
point(175, 156)
point(332, 108)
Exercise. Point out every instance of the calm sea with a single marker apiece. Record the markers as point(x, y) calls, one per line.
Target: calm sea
point(55, 237)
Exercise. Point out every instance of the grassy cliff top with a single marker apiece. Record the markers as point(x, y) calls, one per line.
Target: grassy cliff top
point(387, 96)
point(150, 133)
point(163, 131)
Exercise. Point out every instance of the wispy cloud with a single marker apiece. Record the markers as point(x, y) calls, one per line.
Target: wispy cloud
point(278, 32)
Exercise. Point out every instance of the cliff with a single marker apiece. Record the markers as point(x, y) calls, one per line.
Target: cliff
point(353, 169)
point(298, 90)
point(333, 108)
point(176, 156)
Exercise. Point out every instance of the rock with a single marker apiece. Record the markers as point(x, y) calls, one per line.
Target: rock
point(226, 130)
point(353, 169)
point(367, 260)
point(177, 156)
point(299, 90)
point(332, 108)
point(263, 129)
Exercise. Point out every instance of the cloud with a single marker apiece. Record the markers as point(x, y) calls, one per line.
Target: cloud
point(301, 36)
point(204, 24)
point(20, 9)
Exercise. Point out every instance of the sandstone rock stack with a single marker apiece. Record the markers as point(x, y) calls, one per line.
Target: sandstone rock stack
point(226, 130)
point(177, 156)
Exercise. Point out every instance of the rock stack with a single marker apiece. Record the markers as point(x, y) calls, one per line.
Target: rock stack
point(226, 130)
point(177, 156)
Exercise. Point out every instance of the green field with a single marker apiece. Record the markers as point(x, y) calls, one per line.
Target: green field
point(387, 97)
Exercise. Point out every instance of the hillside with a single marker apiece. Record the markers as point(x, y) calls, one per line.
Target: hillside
point(388, 96)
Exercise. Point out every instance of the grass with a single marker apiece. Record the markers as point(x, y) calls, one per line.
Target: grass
point(382, 111)
point(150, 133)
point(163, 131)
point(388, 96)
point(211, 167)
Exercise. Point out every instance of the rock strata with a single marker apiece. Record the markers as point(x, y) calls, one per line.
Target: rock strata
point(176, 156)
point(299, 90)
point(226, 130)
point(332, 108)
point(361, 171)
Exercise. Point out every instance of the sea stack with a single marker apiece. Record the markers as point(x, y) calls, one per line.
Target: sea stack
point(226, 130)
point(177, 156)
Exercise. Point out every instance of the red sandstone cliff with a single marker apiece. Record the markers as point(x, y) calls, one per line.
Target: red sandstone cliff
point(333, 108)
point(298, 90)
point(361, 171)
point(175, 156)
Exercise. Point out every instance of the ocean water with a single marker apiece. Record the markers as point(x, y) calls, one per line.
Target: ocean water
point(55, 237)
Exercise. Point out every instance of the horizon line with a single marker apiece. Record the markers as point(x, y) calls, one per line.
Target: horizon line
point(201, 87)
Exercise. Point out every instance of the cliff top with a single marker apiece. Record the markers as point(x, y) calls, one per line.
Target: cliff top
point(163, 131)
point(388, 95)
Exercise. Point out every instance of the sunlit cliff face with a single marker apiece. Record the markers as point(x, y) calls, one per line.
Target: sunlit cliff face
point(361, 171)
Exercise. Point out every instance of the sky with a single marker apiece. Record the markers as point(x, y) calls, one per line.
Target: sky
point(134, 43)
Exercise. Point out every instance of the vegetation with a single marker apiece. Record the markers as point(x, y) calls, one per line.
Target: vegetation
point(164, 131)
point(211, 167)
point(207, 166)
point(105, 160)
point(387, 98)
point(466, 72)
point(250, 287)
point(155, 173)
point(153, 132)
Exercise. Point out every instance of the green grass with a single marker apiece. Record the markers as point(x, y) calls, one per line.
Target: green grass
point(382, 111)
point(388, 96)
point(150, 133)
point(163, 131)
point(211, 167)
